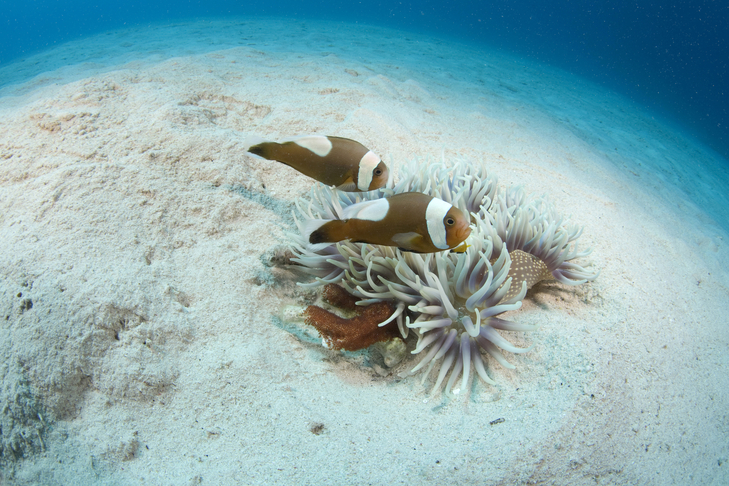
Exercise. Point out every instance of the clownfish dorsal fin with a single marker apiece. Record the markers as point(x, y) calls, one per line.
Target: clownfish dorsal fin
point(372, 210)
point(318, 144)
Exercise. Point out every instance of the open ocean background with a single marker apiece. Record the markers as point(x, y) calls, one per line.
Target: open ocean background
point(671, 57)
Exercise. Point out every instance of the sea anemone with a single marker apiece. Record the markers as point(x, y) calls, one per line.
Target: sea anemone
point(542, 244)
point(452, 301)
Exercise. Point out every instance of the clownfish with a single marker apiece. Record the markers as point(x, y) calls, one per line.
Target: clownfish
point(335, 161)
point(411, 221)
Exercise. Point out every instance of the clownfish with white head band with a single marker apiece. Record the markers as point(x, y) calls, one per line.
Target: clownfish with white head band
point(346, 164)
point(411, 221)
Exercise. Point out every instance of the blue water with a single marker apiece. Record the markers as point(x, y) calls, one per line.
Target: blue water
point(673, 58)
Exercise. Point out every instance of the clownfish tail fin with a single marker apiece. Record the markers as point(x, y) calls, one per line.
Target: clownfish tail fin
point(258, 146)
point(323, 231)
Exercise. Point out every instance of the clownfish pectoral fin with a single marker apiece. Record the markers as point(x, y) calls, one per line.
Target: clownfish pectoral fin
point(348, 186)
point(408, 241)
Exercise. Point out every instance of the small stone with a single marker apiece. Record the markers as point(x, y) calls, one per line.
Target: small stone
point(392, 351)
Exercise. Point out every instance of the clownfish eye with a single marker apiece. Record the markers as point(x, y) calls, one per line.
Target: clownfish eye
point(450, 221)
point(378, 171)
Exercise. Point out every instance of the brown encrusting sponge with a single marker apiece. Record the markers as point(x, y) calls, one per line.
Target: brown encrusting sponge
point(352, 334)
point(336, 296)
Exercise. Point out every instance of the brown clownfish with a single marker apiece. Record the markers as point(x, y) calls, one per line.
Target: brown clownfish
point(335, 161)
point(411, 221)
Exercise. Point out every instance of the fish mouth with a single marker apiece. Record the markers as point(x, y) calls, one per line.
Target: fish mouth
point(463, 233)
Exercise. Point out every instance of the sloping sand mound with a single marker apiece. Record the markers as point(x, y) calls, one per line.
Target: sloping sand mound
point(141, 337)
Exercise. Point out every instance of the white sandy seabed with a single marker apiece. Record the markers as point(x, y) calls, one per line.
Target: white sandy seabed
point(140, 331)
